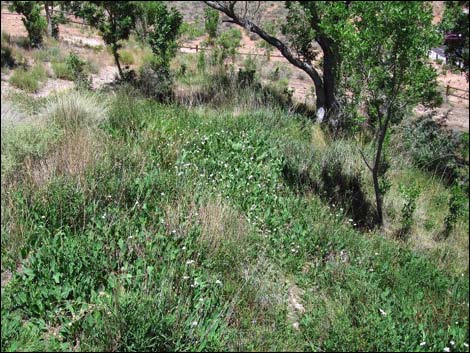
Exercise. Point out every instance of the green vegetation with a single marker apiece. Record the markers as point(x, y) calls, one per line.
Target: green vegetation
point(194, 205)
point(199, 230)
point(34, 23)
point(191, 31)
point(29, 80)
point(211, 22)
point(126, 57)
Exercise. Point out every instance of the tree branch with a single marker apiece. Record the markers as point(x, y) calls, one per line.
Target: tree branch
point(252, 27)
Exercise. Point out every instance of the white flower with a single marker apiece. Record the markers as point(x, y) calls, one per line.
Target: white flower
point(383, 312)
point(422, 344)
point(190, 262)
point(194, 323)
point(183, 248)
point(218, 282)
point(350, 220)
point(452, 343)
point(446, 349)
point(465, 345)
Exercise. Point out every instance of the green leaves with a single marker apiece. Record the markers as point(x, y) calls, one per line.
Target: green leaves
point(33, 21)
point(165, 30)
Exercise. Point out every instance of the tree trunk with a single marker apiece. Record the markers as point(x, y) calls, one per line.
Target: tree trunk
point(48, 8)
point(329, 79)
point(376, 170)
point(118, 64)
point(320, 101)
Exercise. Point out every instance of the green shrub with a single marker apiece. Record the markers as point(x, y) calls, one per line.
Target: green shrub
point(62, 70)
point(432, 148)
point(410, 194)
point(77, 67)
point(191, 30)
point(29, 80)
point(156, 80)
point(201, 62)
point(25, 140)
point(457, 205)
point(228, 42)
point(50, 54)
point(211, 22)
point(75, 109)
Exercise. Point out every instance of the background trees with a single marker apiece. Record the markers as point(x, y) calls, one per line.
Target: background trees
point(34, 23)
point(306, 22)
point(454, 28)
point(114, 19)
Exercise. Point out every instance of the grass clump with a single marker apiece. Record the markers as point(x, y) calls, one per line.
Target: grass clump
point(75, 109)
point(29, 80)
point(126, 57)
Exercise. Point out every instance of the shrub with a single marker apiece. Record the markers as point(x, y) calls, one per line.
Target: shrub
point(29, 80)
point(211, 22)
point(228, 42)
point(23, 139)
point(7, 53)
point(77, 68)
point(52, 54)
point(201, 62)
point(191, 30)
point(432, 148)
point(155, 80)
point(7, 56)
point(246, 76)
point(411, 194)
point(62, 71)
point(457, 203)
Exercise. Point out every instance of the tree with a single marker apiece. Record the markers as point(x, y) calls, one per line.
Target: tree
point(307, 23)
point(114, 19)
point(454, 28)
point(165, 24)
point(32, 20)
point(386, 70)
point(211, 22)
point(163, 29)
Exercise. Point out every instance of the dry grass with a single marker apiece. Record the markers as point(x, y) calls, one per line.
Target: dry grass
point(76, 152)
point(76, 109)
point(220, 224)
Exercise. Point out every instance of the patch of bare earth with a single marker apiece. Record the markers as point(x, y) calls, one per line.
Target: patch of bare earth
point(295, 307)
